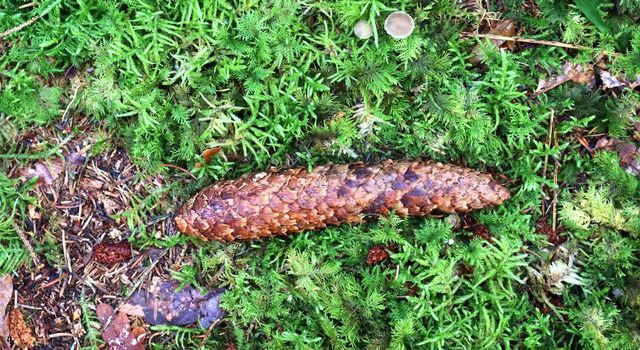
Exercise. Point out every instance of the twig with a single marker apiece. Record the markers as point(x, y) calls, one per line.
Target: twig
point(206, 336)
point(554, 204)
point(19, 27)
point(181, 169)
point(525, 40)
point(25, 241)
point(65, 252)
point(76, 87)
point(546, 157)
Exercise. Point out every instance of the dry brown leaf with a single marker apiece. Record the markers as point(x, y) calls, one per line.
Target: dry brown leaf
point(118, 333)
point(584, 75)
point(629, 157)
point(502, 28)
point(627, 151)
point(580, 74)
point(6, 291)
point(19, 330)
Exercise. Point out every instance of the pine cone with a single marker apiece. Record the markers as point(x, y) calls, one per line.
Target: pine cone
point(281, 202)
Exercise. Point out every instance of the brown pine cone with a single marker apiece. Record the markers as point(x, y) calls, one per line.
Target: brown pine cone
point(281, 202)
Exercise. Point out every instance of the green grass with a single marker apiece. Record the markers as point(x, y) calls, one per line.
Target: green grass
point(277, 83)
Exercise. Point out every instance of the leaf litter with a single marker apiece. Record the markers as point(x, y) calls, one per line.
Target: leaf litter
point(117, 332)
point(6, 291)
point(165, 303)
point(83, 195)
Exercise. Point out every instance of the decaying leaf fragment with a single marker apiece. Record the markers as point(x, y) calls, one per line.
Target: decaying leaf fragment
point(166, 304)
point(6, 291)
point(627, 151)
point(581, 74)
point(118, 333)
point(585, 74)
point(281, 202)
point(502, 28)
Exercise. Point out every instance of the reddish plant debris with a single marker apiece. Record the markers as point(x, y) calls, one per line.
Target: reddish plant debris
point(231, 346)
point(481, 231)
point(553, 236)
point(19, 331)
point(6, 291)
point(629, 157)
point(166, 304)
point(531, 7)
point(118, 333)
point(412, 289)
point(606, 144)
point(377, 254)
point(208, 154)
point(110, 254)
point(464, 270)
point(555, 300)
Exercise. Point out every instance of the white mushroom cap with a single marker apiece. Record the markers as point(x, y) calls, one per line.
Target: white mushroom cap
point(399, 25)
point(363, 30)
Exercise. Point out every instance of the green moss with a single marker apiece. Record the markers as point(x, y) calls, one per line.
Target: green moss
point(282, 82)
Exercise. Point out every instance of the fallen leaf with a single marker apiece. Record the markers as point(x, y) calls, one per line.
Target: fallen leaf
point(91, 184)
point(627, 151)
point(110, 254)
point(585, 75)
point(165, 304)
point(609, 81)
point(6, 291)
point(502, 28)
point(118, 333)
point(606, 144)
point(19, 331)
point(581, 74)
point(46, 171)
point(629, 156)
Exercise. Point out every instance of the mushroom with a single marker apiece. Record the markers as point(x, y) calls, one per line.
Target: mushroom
point(399, 25)
point(363, 30)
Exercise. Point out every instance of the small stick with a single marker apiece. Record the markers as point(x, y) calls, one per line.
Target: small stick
point(546, 158)
point(181, 169)
point(208, 334)
point(65, 252)
point(554, 204)
point(19, 27)
point(76, 87)
point(525, 40)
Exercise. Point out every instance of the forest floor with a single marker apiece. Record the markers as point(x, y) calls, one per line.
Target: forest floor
point(113, 113)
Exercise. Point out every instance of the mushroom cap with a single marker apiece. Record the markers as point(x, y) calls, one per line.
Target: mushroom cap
point(363, 30)
point(399, 25)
